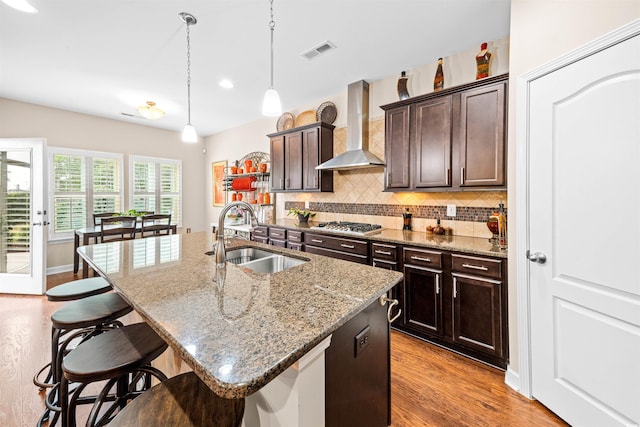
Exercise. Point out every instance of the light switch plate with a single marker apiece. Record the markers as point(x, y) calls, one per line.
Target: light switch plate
point(451, 210)
point(306, 204)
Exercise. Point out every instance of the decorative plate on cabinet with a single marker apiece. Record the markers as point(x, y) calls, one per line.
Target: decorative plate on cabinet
point(327, 112)
point(285, 122)
point(305, 118)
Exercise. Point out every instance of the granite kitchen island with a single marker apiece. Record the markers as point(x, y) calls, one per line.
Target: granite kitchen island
point(240, 335)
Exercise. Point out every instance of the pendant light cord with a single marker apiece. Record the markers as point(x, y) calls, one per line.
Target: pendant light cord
point(272, 26)
point(188, 74)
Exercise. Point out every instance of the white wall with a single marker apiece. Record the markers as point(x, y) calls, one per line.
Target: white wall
point(542, 30)
point(73, 130)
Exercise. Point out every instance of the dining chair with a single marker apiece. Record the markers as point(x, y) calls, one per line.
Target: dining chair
point(97, 217)
point(117, 228)
point(156, 224)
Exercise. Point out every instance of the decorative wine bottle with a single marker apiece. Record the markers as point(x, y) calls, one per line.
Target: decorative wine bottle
point(438, 81)
point(483, 59)
point(403, 93)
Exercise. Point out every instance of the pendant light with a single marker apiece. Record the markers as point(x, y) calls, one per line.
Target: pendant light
point(188, 133)
point(271, 105)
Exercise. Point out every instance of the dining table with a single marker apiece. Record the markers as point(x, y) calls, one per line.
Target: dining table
point(88, 235)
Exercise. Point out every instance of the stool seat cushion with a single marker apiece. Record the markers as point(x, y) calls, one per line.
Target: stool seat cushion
point(90, 311)
point(113, 353)
point(78, 289)
point(182, 401)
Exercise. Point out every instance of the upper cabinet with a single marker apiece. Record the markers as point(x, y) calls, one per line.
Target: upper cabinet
point(295, 153)
point(452, 140)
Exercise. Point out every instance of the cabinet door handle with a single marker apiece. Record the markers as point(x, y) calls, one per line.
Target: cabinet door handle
point(476, 267)
point(462, 175)
point(315, 181)
point(347, 246)
point(383, 252)
point(448, 177)
point(437, 284)
point(419, 258)
point(455, 287)
point(317, 241)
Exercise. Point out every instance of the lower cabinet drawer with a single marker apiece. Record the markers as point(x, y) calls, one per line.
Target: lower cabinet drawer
point(279, 243)
point(294, 236)
point(277, 233)
point(477, 266)
point(261, 231)
point(422, 258)
point(384, 252)
point(259, 239)
point(350, 246)
point(295, 246)
point(337, 254)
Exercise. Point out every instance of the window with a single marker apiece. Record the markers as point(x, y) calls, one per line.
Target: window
point(156, 186)
point(82, 182)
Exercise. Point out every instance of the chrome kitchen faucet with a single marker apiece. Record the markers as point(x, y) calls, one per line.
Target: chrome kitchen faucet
point(221, 253)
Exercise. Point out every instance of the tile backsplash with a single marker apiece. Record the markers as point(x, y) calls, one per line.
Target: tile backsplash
point(358, 196)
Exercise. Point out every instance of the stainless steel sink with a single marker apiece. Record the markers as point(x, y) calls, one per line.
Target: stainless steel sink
point(260, 260)
point(272, 264)
point(241, 256)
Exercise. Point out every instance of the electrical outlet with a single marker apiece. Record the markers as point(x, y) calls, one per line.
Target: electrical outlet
point(306, 204)
point(451, 210)
point(362, 340)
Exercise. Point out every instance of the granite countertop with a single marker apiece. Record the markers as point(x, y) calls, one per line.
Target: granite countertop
point(240, 335)
point(471, 245)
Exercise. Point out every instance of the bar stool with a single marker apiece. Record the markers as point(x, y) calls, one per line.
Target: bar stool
point(70, 291)
point(184, 401)
point(122, 356)
point(79, 321)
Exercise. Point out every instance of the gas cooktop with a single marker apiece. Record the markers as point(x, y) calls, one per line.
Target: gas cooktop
point(353, 228)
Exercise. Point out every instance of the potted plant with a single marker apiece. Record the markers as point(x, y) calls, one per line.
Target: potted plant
point(302, 214)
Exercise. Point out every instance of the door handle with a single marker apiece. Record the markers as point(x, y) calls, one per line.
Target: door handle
point(37, 223)
point(538, 257)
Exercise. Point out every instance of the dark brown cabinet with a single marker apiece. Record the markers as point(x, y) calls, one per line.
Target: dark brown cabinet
point(432, 139)
point(386, 256)
point(397, 147)
point(478, 304)
point(481, 136)
point(278, 237)
point(456, 300)
point(277, 163)
point(423, 293)
point(337, 247)
point(451, 140)
point(294, 155)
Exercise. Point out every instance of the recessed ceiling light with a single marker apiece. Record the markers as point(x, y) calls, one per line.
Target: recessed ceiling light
point(227, 84)
point(21, 5)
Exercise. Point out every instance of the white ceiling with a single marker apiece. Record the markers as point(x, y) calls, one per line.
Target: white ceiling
point(105, 57)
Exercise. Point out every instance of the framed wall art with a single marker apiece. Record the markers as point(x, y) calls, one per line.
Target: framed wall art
point(217, 174)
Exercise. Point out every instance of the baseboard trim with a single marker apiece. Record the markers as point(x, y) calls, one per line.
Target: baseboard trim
point(59, 269)
point(512, 379)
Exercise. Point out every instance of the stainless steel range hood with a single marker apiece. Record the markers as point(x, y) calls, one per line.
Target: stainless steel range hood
point(357, 155)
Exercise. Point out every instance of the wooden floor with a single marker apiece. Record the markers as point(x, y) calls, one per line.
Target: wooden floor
point(430, 386)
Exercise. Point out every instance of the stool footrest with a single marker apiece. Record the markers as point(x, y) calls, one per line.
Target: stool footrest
point(183, 401)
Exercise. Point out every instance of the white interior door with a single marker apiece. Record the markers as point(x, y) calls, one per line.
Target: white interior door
point(584, 216)
point(22, 216)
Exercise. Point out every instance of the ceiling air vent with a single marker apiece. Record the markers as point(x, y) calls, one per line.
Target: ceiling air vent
point(317, 50)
